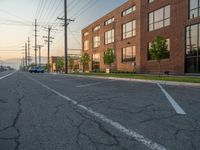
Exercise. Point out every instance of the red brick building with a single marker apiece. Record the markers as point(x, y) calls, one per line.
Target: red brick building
point(130, 29)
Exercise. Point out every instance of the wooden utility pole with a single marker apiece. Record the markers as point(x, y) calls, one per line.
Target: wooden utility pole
point(66, 22)
point(48, 37)
point(26, 55)
point(35, 42)
point(39, 47)
point(66, 38)
point(48, 53)
point(28, 51)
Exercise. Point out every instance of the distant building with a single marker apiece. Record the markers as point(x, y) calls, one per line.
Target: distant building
point(130, 29)
point(53, 61)
point(75, 66)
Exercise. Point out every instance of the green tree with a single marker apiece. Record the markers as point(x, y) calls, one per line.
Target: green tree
point(109, 57)
point(60, 65)
point(47, 67)
point(71, 63)
point(85, 59)
point(159, 50)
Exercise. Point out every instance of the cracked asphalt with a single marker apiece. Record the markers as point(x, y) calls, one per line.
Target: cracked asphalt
point(34, 118)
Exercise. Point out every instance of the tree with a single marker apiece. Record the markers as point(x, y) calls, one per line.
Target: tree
point(47, 67)
point(109, 57)
point(85, 59)
point(71, 62)
point(59, 64)
point(159, 50)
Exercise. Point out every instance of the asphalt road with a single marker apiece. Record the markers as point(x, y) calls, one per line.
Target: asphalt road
point(59, 112)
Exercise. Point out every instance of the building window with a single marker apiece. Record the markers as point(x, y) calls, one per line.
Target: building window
point(96, 28)
point(109, 36)
point(168, 46)
point(194, 8)
point(150, 1)
point(128, 11)
point(86, 45)
point(193, 49)
point(85, 34)
point(109, 21)
point(129, 54)
point(96, 62)
point(129, 29)
point(96, 41)
point(159, 18)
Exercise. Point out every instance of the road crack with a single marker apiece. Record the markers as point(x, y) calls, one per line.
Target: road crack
point(20, 96)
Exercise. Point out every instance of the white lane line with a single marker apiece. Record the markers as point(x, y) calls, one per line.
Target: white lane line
point(174, 104)
point(129, 132)
point(7, 75)
point(91, 84)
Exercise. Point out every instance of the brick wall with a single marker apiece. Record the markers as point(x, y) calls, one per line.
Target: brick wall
point(175, 32)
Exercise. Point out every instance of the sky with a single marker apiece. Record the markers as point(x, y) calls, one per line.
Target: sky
point(17, 24)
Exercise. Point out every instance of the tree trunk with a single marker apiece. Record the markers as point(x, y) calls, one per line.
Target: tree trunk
point(110, 67)
point(83, 68)
point(159, 68)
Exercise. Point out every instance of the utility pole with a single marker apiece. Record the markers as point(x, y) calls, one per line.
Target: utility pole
point(28, 51)
point(35, 42)
point(66, 22)
point(48, 53)
point(48, 40)
point(25, 54)
point(39, 47)
point(23, 62)
point(66, 38)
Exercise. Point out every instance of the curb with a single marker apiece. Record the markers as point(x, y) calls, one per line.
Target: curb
point(136, 80)
point(141, 80)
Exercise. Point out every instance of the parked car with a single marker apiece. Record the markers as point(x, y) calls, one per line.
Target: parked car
point(37, 69)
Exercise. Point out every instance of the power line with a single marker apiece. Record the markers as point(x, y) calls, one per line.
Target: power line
point(15, 16)
point(11, 50)
point(45, 12)
point(36, 41)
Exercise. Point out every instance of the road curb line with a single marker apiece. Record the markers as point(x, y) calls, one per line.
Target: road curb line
point(140, 80)
point(7, 75)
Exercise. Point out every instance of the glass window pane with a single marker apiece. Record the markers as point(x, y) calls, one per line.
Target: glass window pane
point(134, 51)
point(129, 26)
point(194, 13)
point(191, 65)
point(159, 18)
point(167, 22)
point(198, 64)
point(158, 15)
point(129, 29)
point(193, 4)
point(151, 27)
point(167, 11)
point(158, 25)
point(168, 44)
point(150, 18)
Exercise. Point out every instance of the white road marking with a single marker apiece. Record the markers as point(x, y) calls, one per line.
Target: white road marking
point(7, 75)
point(174, 104)
point(91, 84)
point(129, 132)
